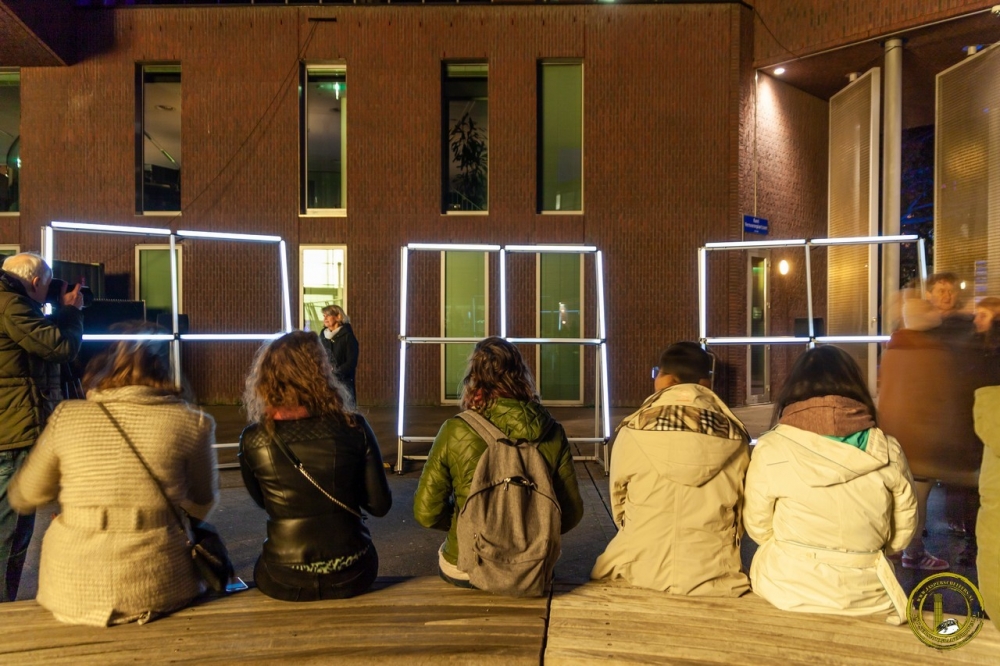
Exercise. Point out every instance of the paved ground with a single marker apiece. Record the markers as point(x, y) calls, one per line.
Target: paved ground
point(406, 549)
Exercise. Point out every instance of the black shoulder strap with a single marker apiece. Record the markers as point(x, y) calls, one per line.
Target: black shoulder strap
point(159, 486)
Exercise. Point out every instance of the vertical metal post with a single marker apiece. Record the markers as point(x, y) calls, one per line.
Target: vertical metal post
point(503, 293)
point(809, 299)
point(285, 288)
point(892, 151)
point(602, 333)
point(175, 344)
point(403, 258)
point(922, 264)
point(702, 297)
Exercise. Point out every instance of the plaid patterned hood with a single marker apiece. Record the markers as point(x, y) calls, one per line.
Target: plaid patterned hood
point(686, 432)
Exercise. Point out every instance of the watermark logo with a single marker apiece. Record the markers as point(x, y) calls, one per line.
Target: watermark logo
point(926, 611)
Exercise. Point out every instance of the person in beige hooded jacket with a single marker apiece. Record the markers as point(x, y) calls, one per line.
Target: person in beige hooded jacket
point(677, 471)
point(827, 495)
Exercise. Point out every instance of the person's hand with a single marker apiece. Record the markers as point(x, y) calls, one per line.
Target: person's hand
point(73, 298)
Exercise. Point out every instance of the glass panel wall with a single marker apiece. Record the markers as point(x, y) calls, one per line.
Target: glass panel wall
point(464, 308)
point(10, 141)
point(466, 129)
point(560, 137)
point(158, 147)
point(324, 139)
point(153, 279)
point(323, 281)
point(560, 306)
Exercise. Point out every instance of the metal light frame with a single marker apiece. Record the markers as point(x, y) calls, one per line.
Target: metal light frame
point(175, 337)
point(811, 340)
point(602, 415)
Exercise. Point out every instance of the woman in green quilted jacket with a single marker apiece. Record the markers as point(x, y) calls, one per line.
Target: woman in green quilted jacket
point(498, 385)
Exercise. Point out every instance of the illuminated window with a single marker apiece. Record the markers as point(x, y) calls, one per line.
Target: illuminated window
point(466, 137)
point(10, 141)
point(158, 144)
point(560, 137)
point(152, 279)
point(560, 310)
point(324, 139)
point(323, 280)
point(464, 288)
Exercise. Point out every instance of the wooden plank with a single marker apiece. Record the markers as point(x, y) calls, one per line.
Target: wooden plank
point(603, 621)
point(412, 621)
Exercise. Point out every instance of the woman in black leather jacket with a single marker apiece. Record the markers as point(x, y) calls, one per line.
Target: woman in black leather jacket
point(318, 546)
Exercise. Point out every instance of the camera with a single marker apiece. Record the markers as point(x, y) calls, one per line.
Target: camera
point(56, 290)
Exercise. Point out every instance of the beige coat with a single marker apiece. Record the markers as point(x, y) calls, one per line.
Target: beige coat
point(823, 513)
point(113, 553)
point(675, 497)
point(987, 413)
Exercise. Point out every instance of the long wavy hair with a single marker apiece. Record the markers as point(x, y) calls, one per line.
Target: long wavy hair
point(132, 363)
point(822, 371)
point(496, 370)
point(294, 371)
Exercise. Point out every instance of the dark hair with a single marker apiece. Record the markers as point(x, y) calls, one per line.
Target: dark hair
point(295, 371)
point(686, 361)
point(822, 371)
point(496, 370)
point(941, 277)
point(132, 362)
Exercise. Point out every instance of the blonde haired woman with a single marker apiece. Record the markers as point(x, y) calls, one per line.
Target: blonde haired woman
point(341, 346)
point(314, 465)
point(116, 552)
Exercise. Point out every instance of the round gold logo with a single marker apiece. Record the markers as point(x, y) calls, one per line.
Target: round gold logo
point(926, 611)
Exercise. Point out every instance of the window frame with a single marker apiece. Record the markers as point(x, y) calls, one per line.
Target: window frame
point(445, 145)
point(302, 286)
point(540, 119)
point(16, 71)
point(140, 124)
point(137, 282)
point(486, 320)
point(538, 333)
point(304, 209)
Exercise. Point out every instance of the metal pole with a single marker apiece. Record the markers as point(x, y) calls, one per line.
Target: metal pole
point(702, 300)
point(892, 151)
point(809, 300)
point(175, 344)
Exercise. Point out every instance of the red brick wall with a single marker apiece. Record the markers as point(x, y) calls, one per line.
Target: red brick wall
point(791, 157)
point(803, 27)
point(662, 144)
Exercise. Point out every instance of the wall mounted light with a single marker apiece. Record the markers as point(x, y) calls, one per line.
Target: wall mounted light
point(779, 71)
point(783, 267)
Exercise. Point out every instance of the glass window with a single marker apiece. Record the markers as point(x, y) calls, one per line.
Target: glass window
point(323, 281)
point(8, 251)
point(158, 148)
point(152, 275)
point(560, 304)
point(10, 141)
point(560, 137)
point(324, 139)
point(466, 137)
point(464, 309)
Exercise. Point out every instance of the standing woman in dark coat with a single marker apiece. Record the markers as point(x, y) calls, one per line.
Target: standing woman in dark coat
point(314, 465)
point(341, 346)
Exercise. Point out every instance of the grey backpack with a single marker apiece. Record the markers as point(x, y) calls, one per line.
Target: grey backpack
point(509, 529)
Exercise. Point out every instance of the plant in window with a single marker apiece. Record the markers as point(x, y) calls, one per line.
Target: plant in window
point(469, 153)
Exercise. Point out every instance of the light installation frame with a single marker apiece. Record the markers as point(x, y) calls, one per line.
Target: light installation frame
point(806, 244)
point(602, 402)
point(175, 337)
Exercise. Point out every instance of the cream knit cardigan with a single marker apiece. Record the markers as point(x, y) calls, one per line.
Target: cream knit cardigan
point(114, 553)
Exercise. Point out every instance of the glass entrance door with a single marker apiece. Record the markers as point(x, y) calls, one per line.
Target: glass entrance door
point(758, 356)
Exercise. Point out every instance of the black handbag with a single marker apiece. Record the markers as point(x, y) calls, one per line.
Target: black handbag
point(208, 551)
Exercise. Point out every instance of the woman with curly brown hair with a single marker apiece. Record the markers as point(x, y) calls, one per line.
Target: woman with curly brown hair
point(498, 385)
point(314, 465)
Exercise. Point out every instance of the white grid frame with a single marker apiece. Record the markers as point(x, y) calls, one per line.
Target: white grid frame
point(811, 340)
point(602, 424)
point(175, 337)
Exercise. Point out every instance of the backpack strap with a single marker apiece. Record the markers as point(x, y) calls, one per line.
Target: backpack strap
point(483, 427)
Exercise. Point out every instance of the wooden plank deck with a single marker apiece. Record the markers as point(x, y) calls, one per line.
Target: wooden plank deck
point(610, 622)
point(411, 621)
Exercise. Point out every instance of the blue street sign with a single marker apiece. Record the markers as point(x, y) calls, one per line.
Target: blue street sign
point(754, 225)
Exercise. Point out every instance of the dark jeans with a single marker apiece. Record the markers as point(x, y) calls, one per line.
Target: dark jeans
point(287, 584)
point(15, 530)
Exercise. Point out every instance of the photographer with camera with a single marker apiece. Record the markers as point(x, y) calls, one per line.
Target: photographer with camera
point(32, 349)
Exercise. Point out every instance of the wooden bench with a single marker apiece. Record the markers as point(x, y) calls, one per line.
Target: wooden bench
point(411, 621)
point(610, 622)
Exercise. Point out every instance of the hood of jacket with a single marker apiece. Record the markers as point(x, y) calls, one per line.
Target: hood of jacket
point(137, 394)
point(11, 283)
point(702, 434)
point(519, 420)
point(821, 462)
